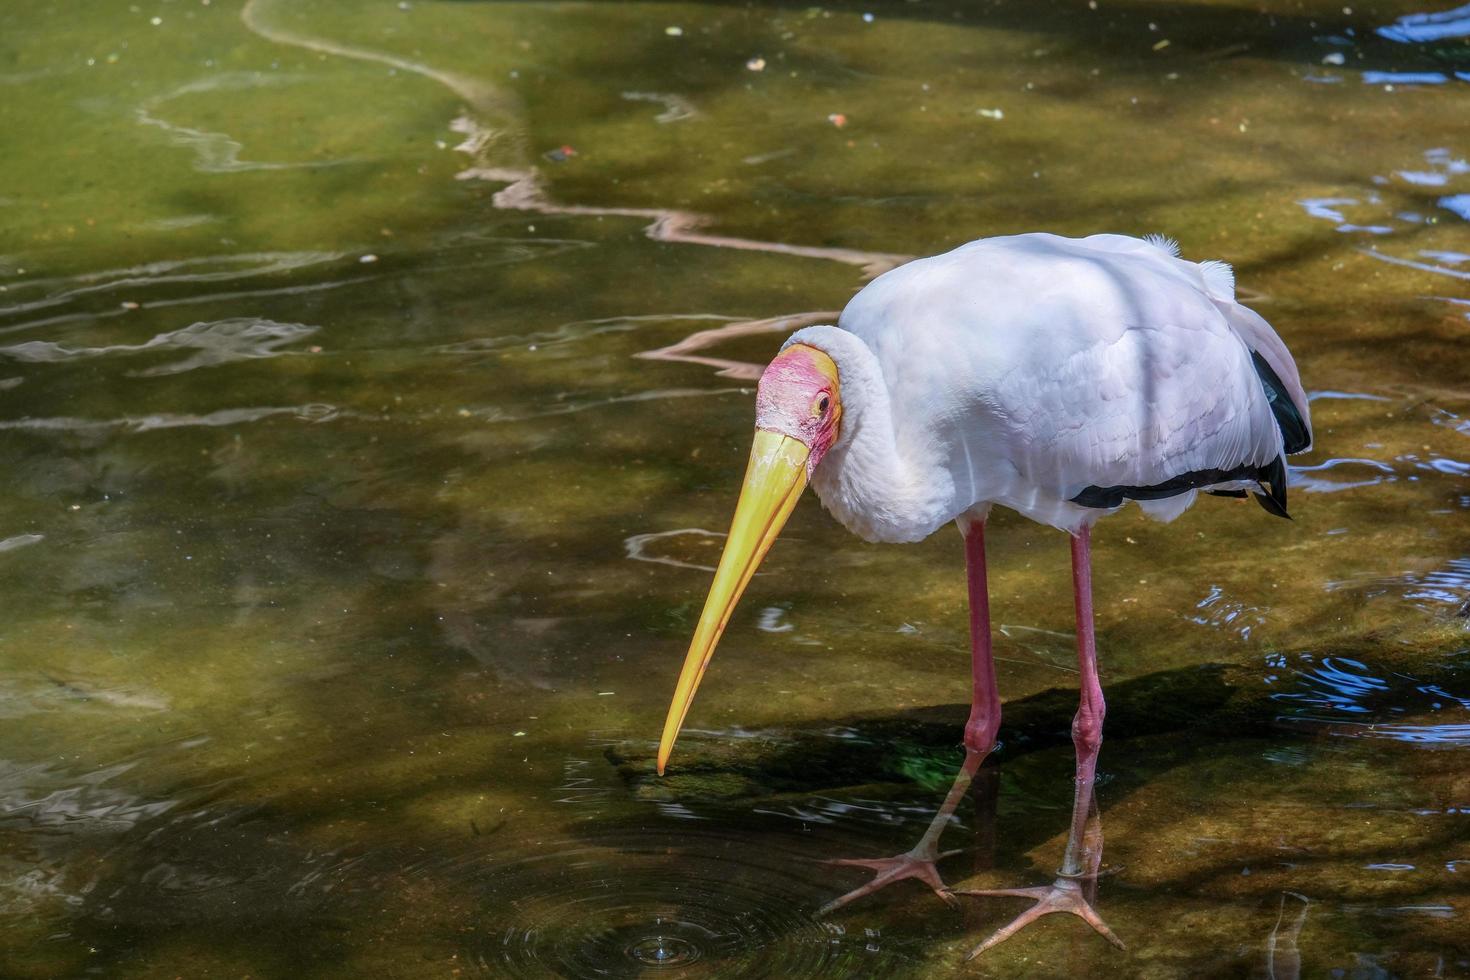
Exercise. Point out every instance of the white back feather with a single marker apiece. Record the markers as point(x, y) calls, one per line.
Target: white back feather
point(1219, 279)
point(1022, 370)
point(1163, 242)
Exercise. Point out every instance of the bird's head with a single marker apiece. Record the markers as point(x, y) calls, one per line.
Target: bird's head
point(799, 398)
point(798, 409)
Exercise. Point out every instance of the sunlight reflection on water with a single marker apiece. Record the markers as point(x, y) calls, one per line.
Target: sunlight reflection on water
point(1423, 28)
point(1334, 694)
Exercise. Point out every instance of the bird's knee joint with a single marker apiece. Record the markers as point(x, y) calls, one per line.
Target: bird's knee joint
point(980, 734)
point(1087, 730)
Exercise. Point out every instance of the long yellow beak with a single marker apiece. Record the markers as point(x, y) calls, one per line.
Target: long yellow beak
point(773, 483)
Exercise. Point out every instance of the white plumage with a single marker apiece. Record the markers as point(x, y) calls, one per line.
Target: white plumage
point(1020, 371)
point(1054, 376)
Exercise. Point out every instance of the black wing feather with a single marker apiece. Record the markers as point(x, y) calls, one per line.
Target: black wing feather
point(1271, 477)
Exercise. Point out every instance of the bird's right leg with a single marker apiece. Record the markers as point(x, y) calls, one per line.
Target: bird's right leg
point(919, 862)
point(985, 698)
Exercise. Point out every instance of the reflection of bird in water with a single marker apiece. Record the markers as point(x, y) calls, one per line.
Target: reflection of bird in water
point(1058, 377)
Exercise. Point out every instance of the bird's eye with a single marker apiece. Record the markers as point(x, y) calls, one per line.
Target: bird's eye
point(823, 404)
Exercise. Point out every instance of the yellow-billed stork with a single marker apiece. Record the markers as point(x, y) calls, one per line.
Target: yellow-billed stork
point(1058, 377)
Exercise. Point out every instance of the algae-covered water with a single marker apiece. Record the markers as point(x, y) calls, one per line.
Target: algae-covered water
point(375, 384)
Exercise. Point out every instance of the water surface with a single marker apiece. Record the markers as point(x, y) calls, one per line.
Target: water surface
point(375, 383)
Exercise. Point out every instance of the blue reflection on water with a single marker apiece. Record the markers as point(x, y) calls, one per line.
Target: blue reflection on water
point(1222, 612)
point(1347, 395)
point(1447, 585)
point(1338, 683)
point(1422, 28)
point(1434, 736)
point(1313, 480)
point(1459, 204)
point(1405, 77)
point(1448, 419)
point(1450, 584)
point(1342, 696)
point(1375, 213)
point(1330, 208)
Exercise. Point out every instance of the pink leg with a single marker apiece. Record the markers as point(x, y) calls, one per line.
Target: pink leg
point(1083, 856)
point(985, 698)
point(980, 730)
point(1087, 724)
point(920, 861)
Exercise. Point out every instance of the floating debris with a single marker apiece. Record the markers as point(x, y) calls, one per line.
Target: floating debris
point(837, 119)
point(561, 154)
point(756, 64)
point(676, 107)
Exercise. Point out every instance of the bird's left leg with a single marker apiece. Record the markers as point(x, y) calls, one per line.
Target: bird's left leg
point(1083, 856)
point(920, 861)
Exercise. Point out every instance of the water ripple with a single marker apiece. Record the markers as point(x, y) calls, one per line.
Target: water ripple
point(20, 541)
point(214, 342)
point(636, 546)
point(1350, 698)
point(40, 796)
point(1393, 207)
point(218, 152)
point(1336, 683)
point(676, 107)
point(1310, 478)
point(1423, 28)
point(567, 333)
point(626, 902)
point(20, 697)
point(168, 420)
point(58, 290)
point(1431, 591)
point(1218, 611)
point(496, 414)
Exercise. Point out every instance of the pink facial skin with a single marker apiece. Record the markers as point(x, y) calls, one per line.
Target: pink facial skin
point(798, 397)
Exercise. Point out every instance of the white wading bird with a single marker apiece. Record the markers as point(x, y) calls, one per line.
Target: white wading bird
point(1058, 377)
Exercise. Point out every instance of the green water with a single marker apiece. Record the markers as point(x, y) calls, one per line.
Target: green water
point(349, 547)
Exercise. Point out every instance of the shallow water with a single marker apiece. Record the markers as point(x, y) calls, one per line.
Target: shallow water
point(375, 383)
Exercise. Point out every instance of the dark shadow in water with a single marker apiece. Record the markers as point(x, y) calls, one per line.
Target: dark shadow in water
point(721, 863)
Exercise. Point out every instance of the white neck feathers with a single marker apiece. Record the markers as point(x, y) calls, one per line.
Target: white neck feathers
point(877, 490)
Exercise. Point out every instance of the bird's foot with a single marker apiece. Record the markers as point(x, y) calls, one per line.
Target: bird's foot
point(1062, 895)
point(918, 864)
